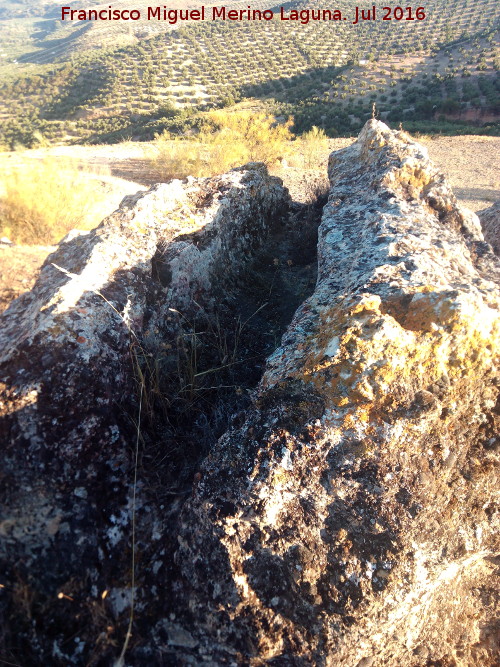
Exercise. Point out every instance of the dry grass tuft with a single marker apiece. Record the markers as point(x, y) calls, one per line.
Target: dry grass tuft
point(42, 200)
point(225, 141)
point(313, 147)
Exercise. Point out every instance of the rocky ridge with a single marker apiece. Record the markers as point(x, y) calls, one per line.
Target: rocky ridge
point(347, 516)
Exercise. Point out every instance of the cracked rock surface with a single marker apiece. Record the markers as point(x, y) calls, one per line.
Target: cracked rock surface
point(348, 514)
point(71, 361)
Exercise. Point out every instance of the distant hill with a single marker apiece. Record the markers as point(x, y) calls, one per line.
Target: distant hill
point(101, 81)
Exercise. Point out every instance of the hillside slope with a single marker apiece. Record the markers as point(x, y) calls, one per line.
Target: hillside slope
point(103, 80)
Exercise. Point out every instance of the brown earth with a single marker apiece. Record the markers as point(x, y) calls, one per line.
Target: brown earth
point(469, 162)
point(19, 267)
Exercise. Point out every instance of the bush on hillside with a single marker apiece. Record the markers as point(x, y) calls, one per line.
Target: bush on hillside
point(226, 140)
point(314, 147)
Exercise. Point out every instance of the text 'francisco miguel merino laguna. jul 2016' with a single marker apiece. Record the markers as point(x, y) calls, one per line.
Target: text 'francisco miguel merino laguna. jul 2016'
point(223, 13)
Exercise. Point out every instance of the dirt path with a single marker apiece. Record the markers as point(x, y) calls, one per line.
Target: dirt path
point(128, 161)
point(472, 166)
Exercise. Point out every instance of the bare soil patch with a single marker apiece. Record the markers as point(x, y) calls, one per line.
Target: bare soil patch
point(471, 165)
point(19, 268)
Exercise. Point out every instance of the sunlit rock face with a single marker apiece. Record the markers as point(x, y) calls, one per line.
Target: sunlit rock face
point(66, 344)
point(347, 516)
point(71, 356)
point(352, 519)
point(490, 223)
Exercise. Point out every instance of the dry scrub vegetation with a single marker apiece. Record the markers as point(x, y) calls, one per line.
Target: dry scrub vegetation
point(229, 139)
point(42, 200)
point(47, 192)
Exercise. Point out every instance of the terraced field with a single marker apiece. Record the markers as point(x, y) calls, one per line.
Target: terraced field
point(104, 81)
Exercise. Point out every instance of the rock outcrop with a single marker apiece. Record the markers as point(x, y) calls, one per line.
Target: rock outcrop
point(348, 515)
point(71, 362)
point(351, 520)
point(490, 223)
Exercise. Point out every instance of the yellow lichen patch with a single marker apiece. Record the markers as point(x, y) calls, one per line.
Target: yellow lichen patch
point(57, 330)
point(439, 335)
point(332, 344)
point(363, 416)
point(369, 303)
point(350, 420)
point(410, 180)
point(280, 477)
point(194, 224)
point(140, 226)
point(376, 143)
point(425, 289)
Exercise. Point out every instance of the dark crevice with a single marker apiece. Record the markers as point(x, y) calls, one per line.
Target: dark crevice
point(201, 379)
point(193, 386)
point(202, 383)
